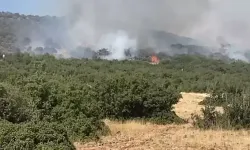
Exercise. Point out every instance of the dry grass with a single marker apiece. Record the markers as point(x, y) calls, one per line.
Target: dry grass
point(136, 135)
point(188, 105)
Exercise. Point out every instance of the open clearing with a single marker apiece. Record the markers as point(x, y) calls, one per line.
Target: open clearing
point(188, 105)
point(138, 136)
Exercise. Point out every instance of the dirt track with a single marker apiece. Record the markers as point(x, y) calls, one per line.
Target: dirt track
point(137, 136)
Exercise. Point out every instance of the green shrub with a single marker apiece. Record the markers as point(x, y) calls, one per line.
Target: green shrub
point(236, 113)
point(82, 128)
point(13, 107)
point(32, 136)
point(135, 97)
point(210, 118)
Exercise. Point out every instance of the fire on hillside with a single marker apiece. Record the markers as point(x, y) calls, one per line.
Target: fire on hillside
point(155, 60)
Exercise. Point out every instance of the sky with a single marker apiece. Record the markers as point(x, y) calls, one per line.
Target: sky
point(34, 7)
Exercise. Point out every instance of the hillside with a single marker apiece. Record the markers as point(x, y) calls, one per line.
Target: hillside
point(26, 32)
point(47, 34)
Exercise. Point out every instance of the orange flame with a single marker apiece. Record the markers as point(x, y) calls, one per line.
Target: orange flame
point(155, 59)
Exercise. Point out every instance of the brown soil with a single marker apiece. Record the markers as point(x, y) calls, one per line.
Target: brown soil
point(134, 135)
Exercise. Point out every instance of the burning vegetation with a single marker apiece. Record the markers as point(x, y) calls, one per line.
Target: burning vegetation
point(155, 60)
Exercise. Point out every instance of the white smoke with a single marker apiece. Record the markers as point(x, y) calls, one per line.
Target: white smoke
point(117, 43)
point(225, 18)
point(117, 24)
point(98, 23)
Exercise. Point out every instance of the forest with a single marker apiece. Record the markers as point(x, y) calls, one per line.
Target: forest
point(49, 103)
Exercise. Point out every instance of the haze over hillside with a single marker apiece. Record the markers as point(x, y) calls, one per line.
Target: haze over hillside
point(116, 26)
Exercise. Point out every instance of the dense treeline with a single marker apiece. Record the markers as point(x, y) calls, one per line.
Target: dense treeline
point(48, 102)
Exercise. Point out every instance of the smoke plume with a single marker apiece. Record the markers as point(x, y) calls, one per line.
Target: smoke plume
point(137, 24)
point(123, 24)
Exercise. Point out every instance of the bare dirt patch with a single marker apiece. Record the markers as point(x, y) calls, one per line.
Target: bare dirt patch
point(134, 135)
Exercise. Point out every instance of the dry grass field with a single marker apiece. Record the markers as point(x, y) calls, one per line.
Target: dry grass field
point(134, 135)
point(188, 105)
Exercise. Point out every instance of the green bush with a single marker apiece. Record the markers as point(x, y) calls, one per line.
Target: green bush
point(13, 107)
point(82, 128)
point(209, 120)
point(135, 97)
point(33, 136)
point(236, 113)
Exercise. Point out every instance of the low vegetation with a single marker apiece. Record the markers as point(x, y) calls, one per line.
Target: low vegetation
point(236, 113)
point(48, 103)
